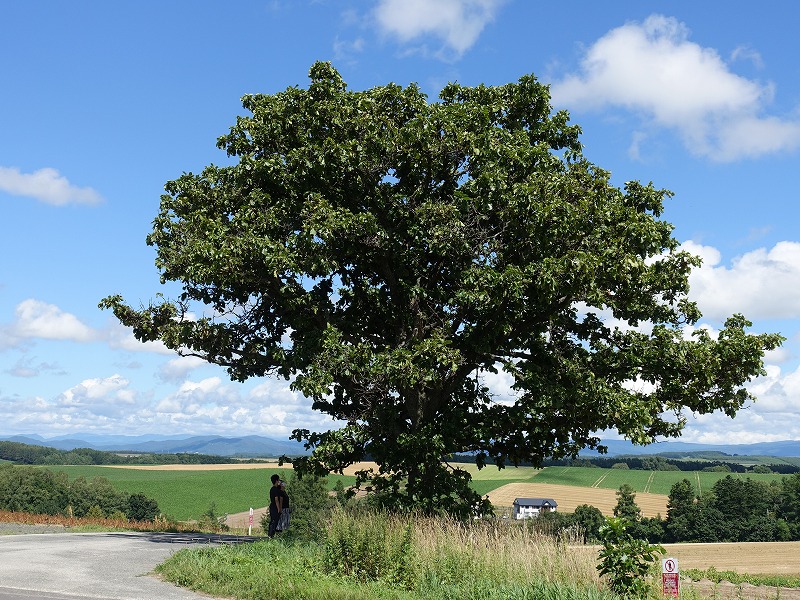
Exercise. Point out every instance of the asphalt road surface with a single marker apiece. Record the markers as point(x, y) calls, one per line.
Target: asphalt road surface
point(102, 566)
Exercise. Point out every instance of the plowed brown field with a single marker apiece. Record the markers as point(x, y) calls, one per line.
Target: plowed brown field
point(569, 497)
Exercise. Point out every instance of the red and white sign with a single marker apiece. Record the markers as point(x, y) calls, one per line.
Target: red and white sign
point(670, 577)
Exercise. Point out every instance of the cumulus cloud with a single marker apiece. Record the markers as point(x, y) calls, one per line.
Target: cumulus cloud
point(196, 397)
point(653, 69)
point(761, 284)
point(457, 23)
point(46, 185)
point(107, 396)
point(772, 417)
point(37, 319)
point(93, 404)
point(177, 368)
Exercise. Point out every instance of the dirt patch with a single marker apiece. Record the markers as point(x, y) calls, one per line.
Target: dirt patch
point(242, 520)
point(570, 497)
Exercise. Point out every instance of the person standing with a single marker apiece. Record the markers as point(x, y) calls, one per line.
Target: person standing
point(275, 504)
point(283, 521)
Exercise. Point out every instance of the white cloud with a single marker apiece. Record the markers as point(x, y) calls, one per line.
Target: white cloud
point(652, 68)
point(122, 338)
point(87, 405)
point(37, 319)
point(761, 284)
point(457, 23)
point(46, 185)
point(177, 368)
point(772, 417)
point(192, 396)
point(107, 390)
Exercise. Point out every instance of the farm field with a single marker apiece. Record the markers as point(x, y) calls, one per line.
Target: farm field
point(755, 558)
point(654, 482)
point(185, 492)
point(570, 497)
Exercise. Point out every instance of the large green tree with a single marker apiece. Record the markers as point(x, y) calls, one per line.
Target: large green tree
point(384, 252)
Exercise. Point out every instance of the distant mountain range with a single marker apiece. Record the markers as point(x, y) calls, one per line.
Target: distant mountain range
point(777, 449)
point(263, 447)
point(250, 446)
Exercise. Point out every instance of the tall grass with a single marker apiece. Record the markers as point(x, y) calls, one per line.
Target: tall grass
point(378, 555)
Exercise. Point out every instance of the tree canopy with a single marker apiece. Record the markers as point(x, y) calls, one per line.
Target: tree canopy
point(385, 253)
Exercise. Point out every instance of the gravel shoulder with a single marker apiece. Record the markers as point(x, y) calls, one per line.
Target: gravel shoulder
point(25, 529)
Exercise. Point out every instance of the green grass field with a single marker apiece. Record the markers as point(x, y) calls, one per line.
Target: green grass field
point(654, 482)
point(186, 495)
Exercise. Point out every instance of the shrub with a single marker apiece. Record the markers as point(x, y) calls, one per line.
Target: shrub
point(370, 546)
point(141, 508)
point(625, 560)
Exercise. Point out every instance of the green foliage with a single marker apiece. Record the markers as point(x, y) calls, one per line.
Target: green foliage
point(625, 560)
point(211, 521)
point(40, 491)
point(311, 505)
point(381, 250)
point(141, 508)
point(761, 469)
point(588, 519)
point(626, 507)
point(366, 546)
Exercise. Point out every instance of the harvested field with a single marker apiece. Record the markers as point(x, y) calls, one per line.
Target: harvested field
point(756, 558)
point(569, 497)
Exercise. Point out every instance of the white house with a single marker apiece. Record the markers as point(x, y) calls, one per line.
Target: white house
point(525, 508)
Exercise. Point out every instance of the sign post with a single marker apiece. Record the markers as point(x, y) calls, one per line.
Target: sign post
point(250, 528)
point(670, 577)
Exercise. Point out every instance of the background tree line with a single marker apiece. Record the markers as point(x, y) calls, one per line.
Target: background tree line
point(40, 491)
point(28, 454)
point(651, 462)
point(733, 510)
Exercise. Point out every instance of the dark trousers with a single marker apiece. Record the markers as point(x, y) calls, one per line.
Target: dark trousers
point(273, 520)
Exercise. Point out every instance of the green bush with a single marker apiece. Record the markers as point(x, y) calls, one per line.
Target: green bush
point(41, 491)
point(625, 560)
point(370, 546)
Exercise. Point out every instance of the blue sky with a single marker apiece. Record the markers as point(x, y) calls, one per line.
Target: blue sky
point(103, 102)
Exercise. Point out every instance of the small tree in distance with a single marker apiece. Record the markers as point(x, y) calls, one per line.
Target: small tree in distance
point(382, 252)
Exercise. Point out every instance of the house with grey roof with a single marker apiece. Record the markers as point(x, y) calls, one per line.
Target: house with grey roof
point(525, 508)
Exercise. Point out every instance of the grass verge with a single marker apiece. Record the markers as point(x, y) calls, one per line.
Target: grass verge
point(389, 557)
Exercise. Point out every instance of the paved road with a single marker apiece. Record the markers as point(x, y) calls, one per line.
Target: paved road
point(102, 566)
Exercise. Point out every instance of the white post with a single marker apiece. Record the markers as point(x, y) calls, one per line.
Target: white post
point(250, 528)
